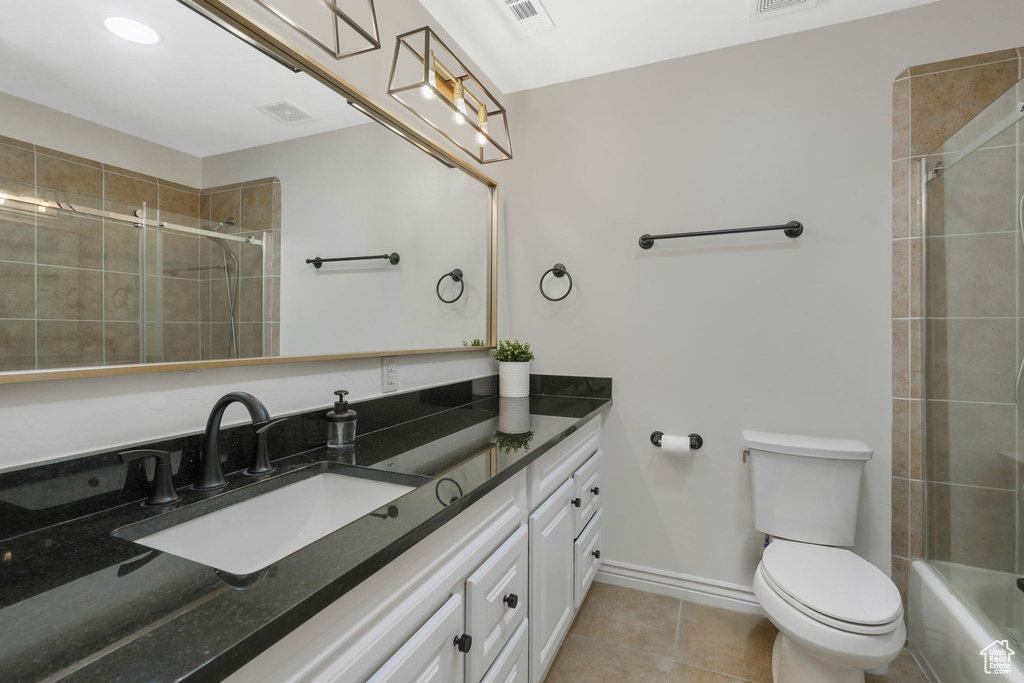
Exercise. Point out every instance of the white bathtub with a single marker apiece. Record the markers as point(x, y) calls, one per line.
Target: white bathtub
point(948, 631)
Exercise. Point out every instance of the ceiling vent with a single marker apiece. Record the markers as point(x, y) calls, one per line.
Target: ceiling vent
point(529, 16)
point(760, 9)
point(287, 112)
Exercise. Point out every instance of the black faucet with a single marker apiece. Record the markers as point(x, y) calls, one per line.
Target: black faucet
point(211, 476)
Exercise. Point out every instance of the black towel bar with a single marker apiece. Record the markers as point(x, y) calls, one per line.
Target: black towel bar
point(317, 262)
point(792, 229)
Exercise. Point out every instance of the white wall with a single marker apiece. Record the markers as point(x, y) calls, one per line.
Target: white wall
point(360, 191)
point(31, 122)
point(717, 335)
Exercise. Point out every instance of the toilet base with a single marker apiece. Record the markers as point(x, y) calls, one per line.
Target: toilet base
point(793, 664)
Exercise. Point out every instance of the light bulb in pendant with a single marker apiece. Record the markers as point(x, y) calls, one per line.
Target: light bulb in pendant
point(481, 117)
point(459, 100)
point(431, 83)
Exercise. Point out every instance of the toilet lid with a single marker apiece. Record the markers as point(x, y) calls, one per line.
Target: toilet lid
point(832, 582)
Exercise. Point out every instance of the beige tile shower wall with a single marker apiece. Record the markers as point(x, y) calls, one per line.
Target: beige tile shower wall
point(255, 206)
point(930, 103)
point(69, 285)
point(70, 291)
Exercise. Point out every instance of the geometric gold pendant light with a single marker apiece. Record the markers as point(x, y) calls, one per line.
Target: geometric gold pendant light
point(342, 28)
point(434, 84)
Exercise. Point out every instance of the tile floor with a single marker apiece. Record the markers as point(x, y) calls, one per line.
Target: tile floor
point(623, 635)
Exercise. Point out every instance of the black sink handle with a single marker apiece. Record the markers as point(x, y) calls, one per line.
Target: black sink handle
point(261, 458)
point(163, 491)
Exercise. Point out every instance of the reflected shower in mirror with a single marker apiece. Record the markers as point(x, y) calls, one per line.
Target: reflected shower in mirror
point(161, 192)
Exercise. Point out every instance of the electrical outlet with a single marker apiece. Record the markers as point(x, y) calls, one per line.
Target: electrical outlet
point(388, 373)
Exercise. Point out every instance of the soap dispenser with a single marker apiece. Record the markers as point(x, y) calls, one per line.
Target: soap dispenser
point(341, 424)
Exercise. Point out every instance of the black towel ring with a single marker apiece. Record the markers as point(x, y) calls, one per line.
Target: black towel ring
point(437, 491)
point(558, 270)
point(456, 276)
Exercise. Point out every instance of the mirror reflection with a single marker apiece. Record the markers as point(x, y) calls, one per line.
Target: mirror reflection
point(165, 185)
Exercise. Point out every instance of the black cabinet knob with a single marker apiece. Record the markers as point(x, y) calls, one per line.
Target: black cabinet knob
point(576, 501)
point(597, 554)
point(596, 491)
point(512, 600)
point(464, 642)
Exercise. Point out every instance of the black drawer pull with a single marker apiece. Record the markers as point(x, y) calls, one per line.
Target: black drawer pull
point(597, 554)
point(464, 642)
point(577, 502)
point(596, 491)
point(512, 600)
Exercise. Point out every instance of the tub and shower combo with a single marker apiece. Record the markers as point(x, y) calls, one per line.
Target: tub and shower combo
point(966, 612)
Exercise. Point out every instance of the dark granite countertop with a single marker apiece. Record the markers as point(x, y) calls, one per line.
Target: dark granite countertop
point(79, 601)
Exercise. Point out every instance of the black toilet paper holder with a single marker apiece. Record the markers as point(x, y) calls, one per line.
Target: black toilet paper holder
point(696, 441)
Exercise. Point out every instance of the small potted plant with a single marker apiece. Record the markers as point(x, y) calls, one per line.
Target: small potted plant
point(513, 368)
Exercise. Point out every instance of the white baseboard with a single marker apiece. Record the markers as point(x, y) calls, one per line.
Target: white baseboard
point(729, 596)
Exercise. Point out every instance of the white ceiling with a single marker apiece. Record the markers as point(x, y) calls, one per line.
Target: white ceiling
point(195, 91)
point(598, 36)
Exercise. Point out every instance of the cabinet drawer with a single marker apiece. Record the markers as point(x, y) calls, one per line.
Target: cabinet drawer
point(588, 557)
point(430, 655)
point(587, 482)
point(491, 592)
point(552, 469)
point(513, 664)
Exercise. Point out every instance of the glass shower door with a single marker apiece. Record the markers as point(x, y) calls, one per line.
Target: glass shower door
point(972, 345)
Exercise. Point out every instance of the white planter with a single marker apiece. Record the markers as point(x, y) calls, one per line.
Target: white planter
point(514, 415)
point(514, 379)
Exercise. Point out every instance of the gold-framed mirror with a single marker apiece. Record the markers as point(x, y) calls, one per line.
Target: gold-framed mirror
point(217, 197)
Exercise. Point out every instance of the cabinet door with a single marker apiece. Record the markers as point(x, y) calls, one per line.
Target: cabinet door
point(588, 557)
point(513, 664)
point(496, 602)
point(431, 655)
point(551, 578)
point(587, 489)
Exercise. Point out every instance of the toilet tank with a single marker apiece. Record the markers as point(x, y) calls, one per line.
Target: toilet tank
point(806, 488)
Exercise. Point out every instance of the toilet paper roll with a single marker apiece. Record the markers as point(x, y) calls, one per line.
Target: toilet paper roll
point(675, 445)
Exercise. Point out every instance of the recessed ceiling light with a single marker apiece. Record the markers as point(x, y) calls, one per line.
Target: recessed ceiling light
point(132, 30)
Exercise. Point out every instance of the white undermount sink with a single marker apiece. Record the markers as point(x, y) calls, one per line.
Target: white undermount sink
point(251, 535)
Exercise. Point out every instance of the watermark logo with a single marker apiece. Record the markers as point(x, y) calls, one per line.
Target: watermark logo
point(997, 657)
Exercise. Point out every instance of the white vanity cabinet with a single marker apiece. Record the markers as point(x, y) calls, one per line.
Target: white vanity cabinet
point(564, 540)
point(487, 598)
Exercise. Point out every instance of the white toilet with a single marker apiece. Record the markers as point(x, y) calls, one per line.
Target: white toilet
point(838, 616)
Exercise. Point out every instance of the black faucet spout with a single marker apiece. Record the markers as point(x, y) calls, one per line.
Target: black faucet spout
point(211, 476)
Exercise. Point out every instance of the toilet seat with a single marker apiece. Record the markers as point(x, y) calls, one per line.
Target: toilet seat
point(838, 646)
point(833, 586)
point(851, 627)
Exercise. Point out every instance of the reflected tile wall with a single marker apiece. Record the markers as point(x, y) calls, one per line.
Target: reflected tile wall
point(255, 206)
point(971, 464)
point(83, 272)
